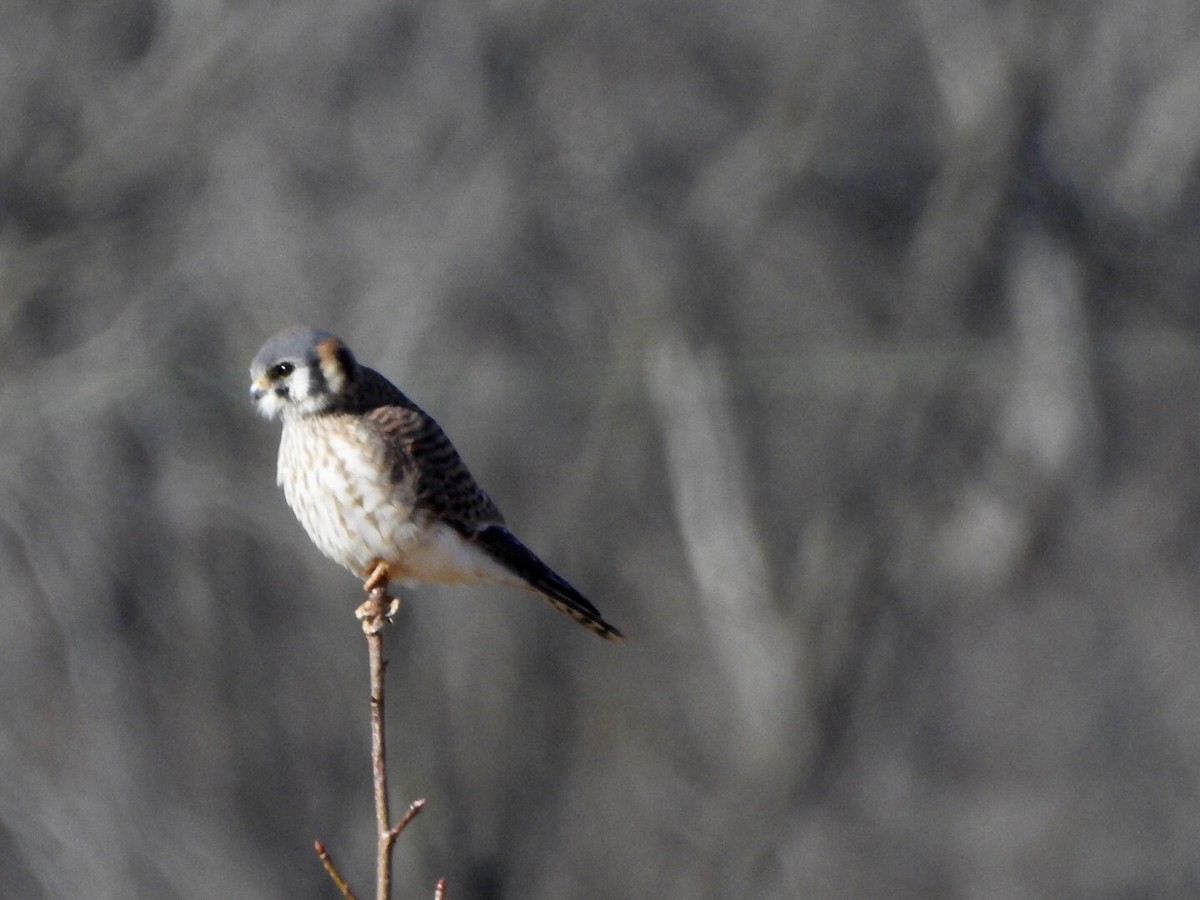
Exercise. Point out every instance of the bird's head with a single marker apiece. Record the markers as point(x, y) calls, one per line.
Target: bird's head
point(300, 372)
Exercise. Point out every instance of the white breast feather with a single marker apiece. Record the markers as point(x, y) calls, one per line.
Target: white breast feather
point(335, 481)
point(342, 495)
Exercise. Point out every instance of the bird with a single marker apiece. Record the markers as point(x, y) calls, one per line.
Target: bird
point(379, 487)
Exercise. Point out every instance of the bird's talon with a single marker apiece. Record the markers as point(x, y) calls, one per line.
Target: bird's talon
point(377, 610)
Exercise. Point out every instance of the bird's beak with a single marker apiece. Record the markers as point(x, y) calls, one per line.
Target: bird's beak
point(258, 388)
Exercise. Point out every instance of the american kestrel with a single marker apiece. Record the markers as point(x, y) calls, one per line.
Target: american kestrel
point(377, 484)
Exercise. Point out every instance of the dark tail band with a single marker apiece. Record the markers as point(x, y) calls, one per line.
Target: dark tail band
point(504, 547)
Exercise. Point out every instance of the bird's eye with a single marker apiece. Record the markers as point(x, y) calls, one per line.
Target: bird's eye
point(281, 370)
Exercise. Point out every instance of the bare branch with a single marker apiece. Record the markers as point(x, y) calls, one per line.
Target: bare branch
point(415, 807)
point(327, 862)
point(374, 616)
point(375, 613)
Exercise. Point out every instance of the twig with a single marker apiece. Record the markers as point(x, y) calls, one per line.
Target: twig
point(383, 856)
point(374, 613)
point(327, 862)
point(413, 808)
point(373, 622)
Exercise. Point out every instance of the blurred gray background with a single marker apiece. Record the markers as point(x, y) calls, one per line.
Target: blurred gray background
point(845, 353)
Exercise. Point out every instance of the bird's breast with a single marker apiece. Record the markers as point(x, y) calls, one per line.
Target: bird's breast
point(338, 483)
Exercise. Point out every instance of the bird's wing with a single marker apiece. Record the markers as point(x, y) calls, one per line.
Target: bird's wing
point(421, 457)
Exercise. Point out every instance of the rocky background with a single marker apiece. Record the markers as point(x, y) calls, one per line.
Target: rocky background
point(845, 353)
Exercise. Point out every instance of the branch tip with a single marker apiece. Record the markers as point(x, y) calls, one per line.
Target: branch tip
point(413, 808)
point(335, 876)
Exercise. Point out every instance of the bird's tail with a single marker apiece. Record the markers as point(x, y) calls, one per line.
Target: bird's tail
point(503, 546)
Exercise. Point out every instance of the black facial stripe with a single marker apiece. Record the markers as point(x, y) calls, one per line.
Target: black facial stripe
point(316, 380)
point(345, 361)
